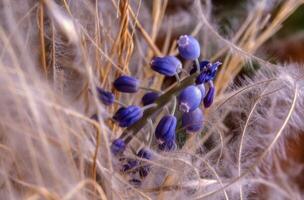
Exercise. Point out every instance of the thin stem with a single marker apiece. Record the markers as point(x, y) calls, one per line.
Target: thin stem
point(177, 78)
point(149, 106)
point(120, 103)
point(167, 109)
point(185, 72)
point(197, 64)
point(149, 89)
point(152, 131)
point(174, 105)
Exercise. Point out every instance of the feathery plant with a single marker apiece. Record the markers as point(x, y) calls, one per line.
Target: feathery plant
point(125, 100)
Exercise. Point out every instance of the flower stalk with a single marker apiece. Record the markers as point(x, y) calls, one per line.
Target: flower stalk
point(165, 98)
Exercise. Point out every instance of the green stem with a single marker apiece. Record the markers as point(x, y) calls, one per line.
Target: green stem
point(161, 102)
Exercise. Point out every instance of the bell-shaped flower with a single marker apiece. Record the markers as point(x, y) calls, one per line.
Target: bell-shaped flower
point(149, 98)
point(118, 146)
point(105, 97)
point(127, 84)
point(165, 130)
point(208, 73)
point(189, 98)
point(188, 47)
point(167, 65)
point(169, 145)
point(193, 121)
point(127, 116)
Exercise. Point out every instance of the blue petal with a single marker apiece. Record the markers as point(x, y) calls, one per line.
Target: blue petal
point(167, 65)
point(105, 97)
point(165, 129)
point(149, 98)
point(126, 84)
point(118, 146)
point(191, 97)
point(193, 121)
point(208, 100)
point(188, 47)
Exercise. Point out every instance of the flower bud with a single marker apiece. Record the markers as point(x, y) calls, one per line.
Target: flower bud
point(126, 84)
point(144, 171)
point(169, 145)
point(203, 65)
point(208, 74)
point(208, 100)
point(128, 116)
point(105, 97)
point(144, 153)
point(193, 121)
point(189, 98)
point(188, 47)
point(165, 130)
point(167, 65)
point(129, 165)
point(149, 98)
point(118, 146)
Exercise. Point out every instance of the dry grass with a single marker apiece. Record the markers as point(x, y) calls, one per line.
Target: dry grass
point(53, 53)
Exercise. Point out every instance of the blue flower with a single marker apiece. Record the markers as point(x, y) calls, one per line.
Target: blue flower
point(188, 47)
point(193, 121)
point(131, 163)
point(149, 98)
point(105, 97)
point(126, 84)
point(128, 116)
point(208, 73)
point(189, 98)
point(208, 100)
point(167, 65)
point(118, 146)
point(169, 145)
point(203, 65)
point(165, 130)
point(144, 171)
point(144, 153)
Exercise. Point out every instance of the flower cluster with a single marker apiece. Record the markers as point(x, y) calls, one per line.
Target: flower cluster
point(193, 91)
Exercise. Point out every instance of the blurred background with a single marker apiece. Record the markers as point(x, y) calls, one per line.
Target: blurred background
point(67, 47)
